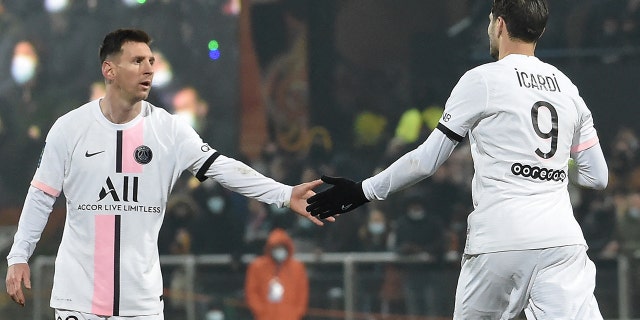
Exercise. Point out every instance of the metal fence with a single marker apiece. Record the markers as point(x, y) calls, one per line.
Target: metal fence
point(342, 286)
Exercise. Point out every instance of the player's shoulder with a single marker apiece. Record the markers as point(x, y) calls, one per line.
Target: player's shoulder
point(487, 67)
point(80, 114)
point(496, 68)
point(157, 114)
point(477, 76)
point(486, 71)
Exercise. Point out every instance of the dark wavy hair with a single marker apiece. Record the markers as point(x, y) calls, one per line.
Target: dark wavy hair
point(525, 19)
point(113, 41)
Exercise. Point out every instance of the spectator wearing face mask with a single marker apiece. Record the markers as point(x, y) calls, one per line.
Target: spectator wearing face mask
point(384, 297)
point(375, 234)
point(276, 284)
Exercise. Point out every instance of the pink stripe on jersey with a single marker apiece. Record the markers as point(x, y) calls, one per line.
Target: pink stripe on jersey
point(131, 139)
point(103, 267)
point(585, 145)
point(45, 188)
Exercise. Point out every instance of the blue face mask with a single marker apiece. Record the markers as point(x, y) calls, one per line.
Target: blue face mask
point(304, 223)
point(376, 228)
point(215, 204)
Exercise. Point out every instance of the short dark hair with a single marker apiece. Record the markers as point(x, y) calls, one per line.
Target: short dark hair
point(114, 40)
point(525, 19)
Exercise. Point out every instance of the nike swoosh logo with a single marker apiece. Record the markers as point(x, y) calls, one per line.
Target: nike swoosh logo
point(345, 207)
point(87, 154)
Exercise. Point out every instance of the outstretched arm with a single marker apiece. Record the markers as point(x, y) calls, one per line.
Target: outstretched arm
point(420, 163)
point(239, 177)
point(411, 168)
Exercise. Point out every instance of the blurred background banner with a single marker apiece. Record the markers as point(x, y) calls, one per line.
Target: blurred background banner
point(300, 88)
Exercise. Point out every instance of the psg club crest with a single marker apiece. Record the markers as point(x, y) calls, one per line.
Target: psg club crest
point(143, 154)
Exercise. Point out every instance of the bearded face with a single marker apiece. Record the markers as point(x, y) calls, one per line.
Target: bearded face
point(492, 31)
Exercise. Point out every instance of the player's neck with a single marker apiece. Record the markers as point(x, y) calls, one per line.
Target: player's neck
point(119, 111)
point(516, 47)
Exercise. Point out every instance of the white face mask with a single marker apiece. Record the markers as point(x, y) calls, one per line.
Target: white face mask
point(215, 315)
point(54, 6)
point(279, 254)
point(23, 68)
point(416, 214)
point(376, 228)
point(161, 78)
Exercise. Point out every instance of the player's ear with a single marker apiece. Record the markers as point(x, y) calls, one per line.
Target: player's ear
point(502, 26)
point(108, 71)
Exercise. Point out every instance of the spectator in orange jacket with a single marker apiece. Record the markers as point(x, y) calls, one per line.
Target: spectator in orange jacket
point(276, 286)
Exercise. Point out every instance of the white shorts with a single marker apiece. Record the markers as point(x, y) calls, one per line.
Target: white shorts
point(75, 315)
point(551, 283)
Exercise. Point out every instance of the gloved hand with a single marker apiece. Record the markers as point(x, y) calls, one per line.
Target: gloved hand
point(344, 196)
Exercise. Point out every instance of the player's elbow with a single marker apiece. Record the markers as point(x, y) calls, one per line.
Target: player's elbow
point(598, 180)
point(601, 183)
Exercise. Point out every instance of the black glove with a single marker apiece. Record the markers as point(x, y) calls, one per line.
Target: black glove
point(344, 196)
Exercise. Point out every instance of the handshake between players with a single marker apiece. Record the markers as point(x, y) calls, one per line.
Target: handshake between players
point(343, 196)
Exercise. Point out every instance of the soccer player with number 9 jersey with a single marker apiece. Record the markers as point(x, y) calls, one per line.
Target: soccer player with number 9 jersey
point(525, 120)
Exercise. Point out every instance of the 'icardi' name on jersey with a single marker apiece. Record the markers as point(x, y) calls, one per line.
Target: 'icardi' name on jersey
point(538, 81)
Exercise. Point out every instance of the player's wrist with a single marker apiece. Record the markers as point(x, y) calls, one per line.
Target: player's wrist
point(359, 192)
point(16, 260)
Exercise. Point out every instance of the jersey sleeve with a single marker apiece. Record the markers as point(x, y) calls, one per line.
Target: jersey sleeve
point(53, 161)
point(33, 219)
point(205, 162)
point(589, 168)
point(585, 135)
point(466, 104)
point(193, 154)
point(239, 177)
point(411, 168)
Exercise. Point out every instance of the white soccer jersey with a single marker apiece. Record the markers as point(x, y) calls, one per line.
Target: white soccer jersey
point(524, 118)
point(116, 179)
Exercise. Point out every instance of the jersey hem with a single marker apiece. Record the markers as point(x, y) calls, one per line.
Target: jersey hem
point(147, 312)
point(530, 247)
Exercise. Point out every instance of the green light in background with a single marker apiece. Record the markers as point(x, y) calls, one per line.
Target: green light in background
point(142, 1)
point(213, 45)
